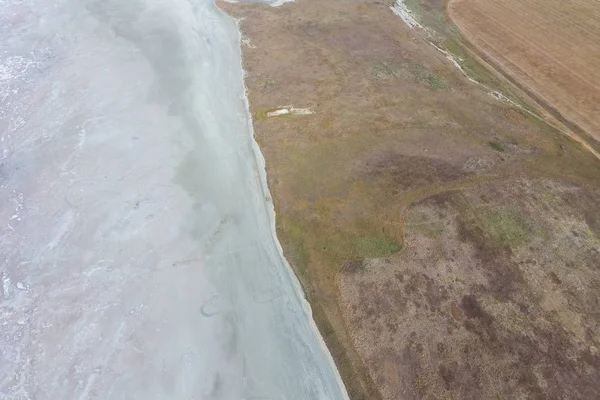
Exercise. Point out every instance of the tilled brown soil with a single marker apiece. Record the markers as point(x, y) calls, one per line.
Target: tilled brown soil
point(448, 242)
point(550, 47)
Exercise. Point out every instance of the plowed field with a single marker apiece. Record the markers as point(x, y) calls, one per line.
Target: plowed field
point(549, 47)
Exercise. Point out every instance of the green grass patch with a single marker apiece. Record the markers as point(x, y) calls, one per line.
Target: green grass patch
point(507, 227)
point(293, 236)
point(357, 244)
point(261, 114)
point(387, 70)
point(454, 47)
point(420, 73)
point(374, 246)
point(471, 66)
point(430, 14)
point(413, 5)
point(436, 81)
point(548, 197)
point(497, 146)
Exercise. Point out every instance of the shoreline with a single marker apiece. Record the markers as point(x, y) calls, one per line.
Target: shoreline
point(262, 170)
point(270, 208)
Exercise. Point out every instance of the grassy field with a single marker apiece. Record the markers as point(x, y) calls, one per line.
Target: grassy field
point(447, 241)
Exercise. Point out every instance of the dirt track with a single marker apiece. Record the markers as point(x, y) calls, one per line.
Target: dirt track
point(549, 47)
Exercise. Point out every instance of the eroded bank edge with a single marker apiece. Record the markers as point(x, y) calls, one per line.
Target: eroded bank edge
point(270, 211)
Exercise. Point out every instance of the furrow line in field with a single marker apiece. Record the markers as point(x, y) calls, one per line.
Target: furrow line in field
point(522, 13)
point(525, 12)
point(472, 29)
point(533, 82)
point(529, 44)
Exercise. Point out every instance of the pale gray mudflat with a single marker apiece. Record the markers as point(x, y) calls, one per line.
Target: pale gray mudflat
point(138, 259)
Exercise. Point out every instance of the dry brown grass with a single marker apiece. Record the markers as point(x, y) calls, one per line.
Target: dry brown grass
point(497, 300)
point(394, 124)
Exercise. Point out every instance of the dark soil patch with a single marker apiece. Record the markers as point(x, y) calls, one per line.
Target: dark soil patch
point(504, 275)
point(404, 172)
